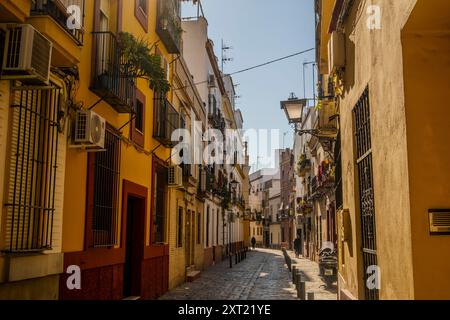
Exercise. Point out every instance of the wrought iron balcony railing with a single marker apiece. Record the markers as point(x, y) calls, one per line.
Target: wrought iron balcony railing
point(110, 79)
point(168, 24)
point(58, 10)
point(165, 120)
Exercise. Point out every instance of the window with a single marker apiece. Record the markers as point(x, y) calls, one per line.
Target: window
point(199, 229)
point(338, 185)
point(138, 123)
point(141, 13)
point(139, 120)
point(180, 228)
point(363, 144)
point(103, 196)
point(2, 44)
point(207, 227)
point(33, 165)
point(159, 209)
point(216, 241)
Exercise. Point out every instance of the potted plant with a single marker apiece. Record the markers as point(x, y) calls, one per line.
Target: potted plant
point(141, 63)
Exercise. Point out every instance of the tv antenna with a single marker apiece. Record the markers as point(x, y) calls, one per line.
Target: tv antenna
point(225, 58)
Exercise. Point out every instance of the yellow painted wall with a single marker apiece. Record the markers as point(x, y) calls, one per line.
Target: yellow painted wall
point(177, 255)
point(426, 50)
point(136, 162)
point(374, 58)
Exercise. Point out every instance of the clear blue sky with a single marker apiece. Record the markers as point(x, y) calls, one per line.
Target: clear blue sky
point(262, 30)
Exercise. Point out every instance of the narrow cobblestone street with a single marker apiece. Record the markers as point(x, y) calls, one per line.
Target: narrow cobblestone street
point(262, 276)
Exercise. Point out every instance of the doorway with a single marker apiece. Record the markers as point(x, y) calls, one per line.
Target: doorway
point(134, 246)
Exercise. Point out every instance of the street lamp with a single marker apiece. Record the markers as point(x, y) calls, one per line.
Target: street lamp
point(293, 107)
point(233, 186)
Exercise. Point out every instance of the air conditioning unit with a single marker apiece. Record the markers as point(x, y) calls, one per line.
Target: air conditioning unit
point(336, 52)
point(175, 177)
point(27, 56)
point(90, 130)
point(211, 81)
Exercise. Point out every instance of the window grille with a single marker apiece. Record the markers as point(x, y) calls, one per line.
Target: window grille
point(338, 183)
point(106, 192)
point(33, 158)
point(361, 114)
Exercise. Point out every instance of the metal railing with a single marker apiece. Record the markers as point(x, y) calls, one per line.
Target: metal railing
point(168, 24)
point(58, 10)
point(165, 120)
point(110, 77)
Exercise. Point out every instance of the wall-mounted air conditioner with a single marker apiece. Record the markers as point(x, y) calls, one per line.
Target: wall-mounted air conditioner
point(89, 131)
point(175, 177)
point(27, 56)
point(336, 52)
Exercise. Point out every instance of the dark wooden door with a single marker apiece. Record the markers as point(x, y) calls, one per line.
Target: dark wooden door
point(134, 247)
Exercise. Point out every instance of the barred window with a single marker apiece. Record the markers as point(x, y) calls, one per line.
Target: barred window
point(199, 228)
point(207, 227)
point(180, 228)
point(33, 163)
point(104, 179)
point(159, 217)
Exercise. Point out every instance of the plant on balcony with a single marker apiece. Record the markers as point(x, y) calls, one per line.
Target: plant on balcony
point(303, 165)
point(338, 83)
point(319, 105)
point(326, 174)
point(141, 63)
point(170, 20)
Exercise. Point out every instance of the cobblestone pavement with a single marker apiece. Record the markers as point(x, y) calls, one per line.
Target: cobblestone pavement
point(262, 276)
point(313, 281)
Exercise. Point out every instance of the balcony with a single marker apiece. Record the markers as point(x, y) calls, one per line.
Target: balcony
point(110, 79)
point(215, 116)
point(305, 207)
point(314, 188)
point(57, 9)
point(168, 24)
point(303, 166)
point(165, 121)
point(327, 125)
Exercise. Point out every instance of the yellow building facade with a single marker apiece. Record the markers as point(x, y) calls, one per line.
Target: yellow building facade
point(114, 199)
point(384, 60)
point(88, 187)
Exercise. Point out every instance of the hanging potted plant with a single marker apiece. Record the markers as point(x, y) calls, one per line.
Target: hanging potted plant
point(139, 62)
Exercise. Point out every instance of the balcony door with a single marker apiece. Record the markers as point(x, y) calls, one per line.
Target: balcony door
point(104, 46)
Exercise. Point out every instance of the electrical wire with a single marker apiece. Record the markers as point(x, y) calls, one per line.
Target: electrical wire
point(252, 68)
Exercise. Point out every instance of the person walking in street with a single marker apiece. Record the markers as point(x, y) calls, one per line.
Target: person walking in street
point(297, 245)
point(253, 243)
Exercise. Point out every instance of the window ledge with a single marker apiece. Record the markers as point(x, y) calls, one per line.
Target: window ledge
point(23, 267)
